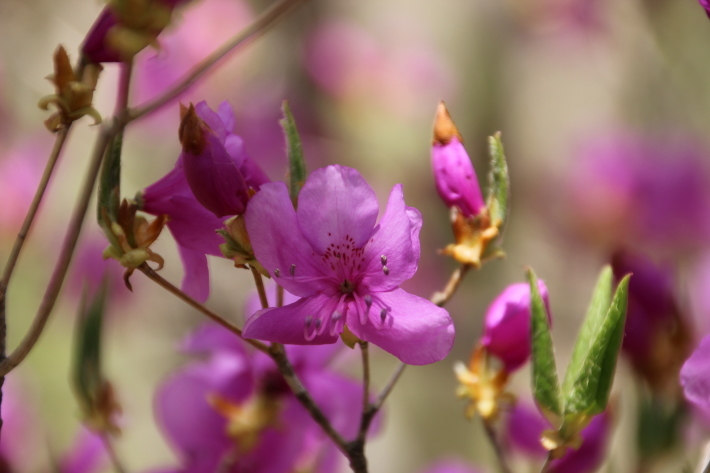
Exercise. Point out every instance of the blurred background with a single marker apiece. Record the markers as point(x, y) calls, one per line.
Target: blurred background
point(604, 108)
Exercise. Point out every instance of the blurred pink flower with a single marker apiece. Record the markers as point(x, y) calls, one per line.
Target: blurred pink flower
point(21, 168)
point(87, 455)
point(523, 431)
point(349, 63)
point(89, 268)
point(235, 402)
point(634, 190)
point(507, 325)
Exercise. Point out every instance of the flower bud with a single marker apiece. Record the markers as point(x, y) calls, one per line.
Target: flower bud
point(455, 177)
point(657, 338)
point(507, 325)
point(220, 174)
point(126, 27)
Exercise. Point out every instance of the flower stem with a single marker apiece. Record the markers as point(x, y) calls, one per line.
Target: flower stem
point(365, 376)
point(165, 284)
point(248, 34)
point(546, 465)
point(442, 297)
point(259, 282)
point(278, 354)
point(279, 296)
point(34, 206)
point(492, 437)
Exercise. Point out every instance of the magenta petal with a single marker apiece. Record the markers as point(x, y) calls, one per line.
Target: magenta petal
point(396, 238)
point(86, 456)
point(507, 324)
point(524, 429)
point(210, 338)
point(415, 330)
point(213, 119)
point(287, 324)
point(455, 177)
point(226, 114)
point(336, 204)
point(196, 280)
point(589, 457)
point(695, 376)
point(279, 243)
point(95, 48)
point(337, 396)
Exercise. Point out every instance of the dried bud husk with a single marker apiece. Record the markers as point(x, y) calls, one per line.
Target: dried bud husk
point(237, 245)
point(134, 234)
point(74, 95)
point(473, 237)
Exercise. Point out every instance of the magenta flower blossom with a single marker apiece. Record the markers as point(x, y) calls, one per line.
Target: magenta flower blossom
point(706, 5)
point(218, 170)
point(192, 225)
point(346, 268)
point(456, 180)
point(87, 455)
point(524, 429)
point(507, 325)
point(97, 47)
point(236, 403)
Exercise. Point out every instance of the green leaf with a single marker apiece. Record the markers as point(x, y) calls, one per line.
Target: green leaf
point(498, 182)
point(598, 307)
point(589, 392)
point(545, 384)
point(87, 376)
point(296, 164)
point(110, 180)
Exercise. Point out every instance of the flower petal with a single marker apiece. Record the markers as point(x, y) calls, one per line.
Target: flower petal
point(279, 244)
point(213, 119)
point(397, 239)
point(415, 330)
point(334, 204)
point(211, 338)
point(196, 280)
point(695, 376)
point(287, 324)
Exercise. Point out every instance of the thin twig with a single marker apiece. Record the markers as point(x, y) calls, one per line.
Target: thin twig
point(441, 298)
point(167, 285)
point(278, 354)
point(546, 465)
point(62, 265)
point(34, 206)
point(113, 456)
point(259, 282)
point(394, 377)
point(247, 35)
point(491, 433)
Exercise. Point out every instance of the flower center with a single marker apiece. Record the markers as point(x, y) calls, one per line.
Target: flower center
point(347, 287)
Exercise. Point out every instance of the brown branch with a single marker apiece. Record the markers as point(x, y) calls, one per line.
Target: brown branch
point(267, 19)
point(34, 206)
point(491, 433)
point(62, 265)
point(259, 282)
point(165, 284)
point(278, 354)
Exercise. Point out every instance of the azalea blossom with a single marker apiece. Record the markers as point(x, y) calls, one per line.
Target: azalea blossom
point(234, 408)
point(345, 266)
point(192, 224)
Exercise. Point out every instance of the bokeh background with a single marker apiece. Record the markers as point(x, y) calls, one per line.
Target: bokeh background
point(604, 108)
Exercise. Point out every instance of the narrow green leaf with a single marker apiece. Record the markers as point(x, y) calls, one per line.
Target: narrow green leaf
point(598, 307)
point(590, 389)
point(109, 194)
point(86, 376)
point(296, 163)
point(545, 384)
point(498, 181)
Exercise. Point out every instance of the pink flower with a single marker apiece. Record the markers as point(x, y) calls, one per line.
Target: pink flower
point(219, 172)
point(193, 225)
point(524, 430)
point(346, 268)
point(235, 403)
point(507, 325)
point(87, 455)
point(706, 5)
